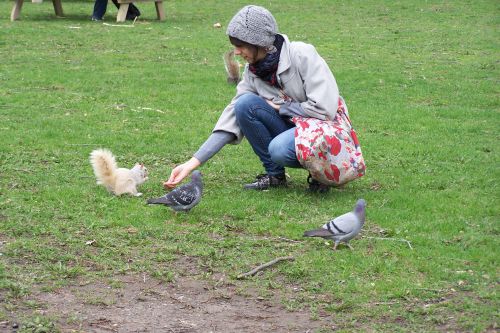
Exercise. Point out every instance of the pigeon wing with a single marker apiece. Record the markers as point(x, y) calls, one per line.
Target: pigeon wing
point(183, 196)
point(342, 225)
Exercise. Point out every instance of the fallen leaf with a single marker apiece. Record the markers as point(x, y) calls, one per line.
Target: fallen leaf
point(132, 230)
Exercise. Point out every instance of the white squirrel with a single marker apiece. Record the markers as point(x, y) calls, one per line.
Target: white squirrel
point(117, 180)
point(232, 67)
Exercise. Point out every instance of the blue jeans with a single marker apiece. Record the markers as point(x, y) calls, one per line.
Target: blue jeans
point(100, 7)
point(271, 136)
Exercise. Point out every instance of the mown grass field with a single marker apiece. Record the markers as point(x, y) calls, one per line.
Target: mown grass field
point(421, 82)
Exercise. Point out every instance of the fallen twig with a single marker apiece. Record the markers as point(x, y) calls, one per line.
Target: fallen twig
point(104, 327)
point(273, 239)
point(120, 25)
point(151, 109)
point(145, 108)
point(392, 239)
point(289, 240)
point(386, 303)
point(433, 290)
point(383, 203)
point(22, 170)
point(264, 266)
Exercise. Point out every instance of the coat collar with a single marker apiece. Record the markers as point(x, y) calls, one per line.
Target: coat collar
point(285, 61)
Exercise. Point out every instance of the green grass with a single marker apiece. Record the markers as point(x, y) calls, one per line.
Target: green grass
point(421, 82)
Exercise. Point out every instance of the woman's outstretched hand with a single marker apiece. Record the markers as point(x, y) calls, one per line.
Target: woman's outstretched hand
point(180, 172)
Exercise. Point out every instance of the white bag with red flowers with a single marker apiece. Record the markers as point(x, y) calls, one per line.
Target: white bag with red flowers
point(329, 150)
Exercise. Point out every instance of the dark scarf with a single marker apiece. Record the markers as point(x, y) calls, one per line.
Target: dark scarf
point(267, 67)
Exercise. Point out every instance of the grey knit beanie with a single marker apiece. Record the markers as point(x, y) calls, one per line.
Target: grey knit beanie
point(254, 25)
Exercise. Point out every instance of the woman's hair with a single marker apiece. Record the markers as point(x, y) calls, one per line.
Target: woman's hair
point(238, 42)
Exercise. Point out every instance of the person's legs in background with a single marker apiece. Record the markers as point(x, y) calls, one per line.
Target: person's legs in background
point(132, 11)
point(99, 9)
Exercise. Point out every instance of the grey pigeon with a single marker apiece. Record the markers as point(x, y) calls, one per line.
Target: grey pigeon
point(184, 197)
point(342, 228)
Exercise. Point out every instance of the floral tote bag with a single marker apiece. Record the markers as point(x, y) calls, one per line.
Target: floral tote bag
point(329, 150)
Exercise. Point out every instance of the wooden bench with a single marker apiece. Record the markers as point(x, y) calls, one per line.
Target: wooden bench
point(18, 4)
point(120, 17)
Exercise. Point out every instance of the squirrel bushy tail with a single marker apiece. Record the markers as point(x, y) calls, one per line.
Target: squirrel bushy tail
point(232, 67)
point(104, 165)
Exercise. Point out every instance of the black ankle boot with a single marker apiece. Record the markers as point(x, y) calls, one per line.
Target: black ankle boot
point(315, 186)
point(265, 181)
point(132, 12)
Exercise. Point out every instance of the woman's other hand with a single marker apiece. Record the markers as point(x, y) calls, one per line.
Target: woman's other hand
point(273, 105)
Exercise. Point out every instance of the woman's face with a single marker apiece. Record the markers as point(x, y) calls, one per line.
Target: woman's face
point(250, 53)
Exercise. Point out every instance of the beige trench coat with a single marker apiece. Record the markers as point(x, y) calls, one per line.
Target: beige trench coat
point(304, 77)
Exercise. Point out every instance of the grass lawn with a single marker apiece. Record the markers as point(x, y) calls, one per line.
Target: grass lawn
point(421, 82)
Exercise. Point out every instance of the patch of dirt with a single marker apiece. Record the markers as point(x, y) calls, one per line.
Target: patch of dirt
point(136, 304)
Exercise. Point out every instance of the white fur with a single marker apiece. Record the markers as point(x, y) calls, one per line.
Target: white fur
point(117, 180)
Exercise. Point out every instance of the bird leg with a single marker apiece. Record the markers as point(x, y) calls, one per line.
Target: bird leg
point(337, 243)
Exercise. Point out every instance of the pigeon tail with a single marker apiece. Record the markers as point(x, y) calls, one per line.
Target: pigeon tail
point(317, 233)
point(159, 201)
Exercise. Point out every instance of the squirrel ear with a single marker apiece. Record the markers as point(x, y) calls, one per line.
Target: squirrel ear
point(142, 165)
